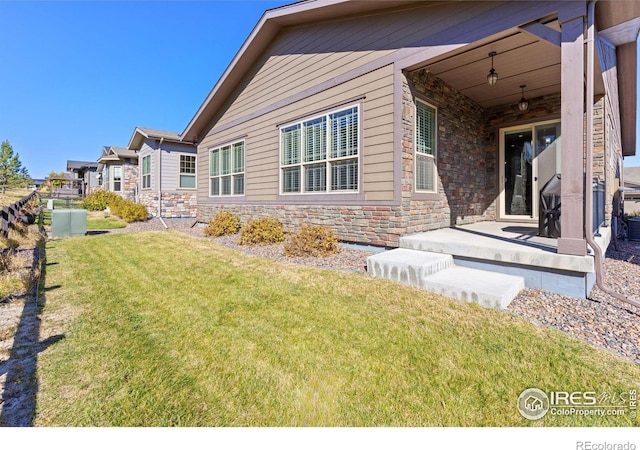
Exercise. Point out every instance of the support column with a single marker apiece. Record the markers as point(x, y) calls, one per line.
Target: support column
point(572, 194)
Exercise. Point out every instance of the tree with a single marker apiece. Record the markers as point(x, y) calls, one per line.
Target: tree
point(55, 178)
point(12, 173)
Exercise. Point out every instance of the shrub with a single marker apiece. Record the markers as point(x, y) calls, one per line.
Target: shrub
point(133, 212)
point(263, 231)
point(222, 224)
point(312, 240)
point(125, 209)
point(99, 200)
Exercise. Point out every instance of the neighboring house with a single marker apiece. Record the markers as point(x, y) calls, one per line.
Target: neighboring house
point(377, 118)
point(631, 190)
point(118, 171)
point(167, 172)
point(85, 171)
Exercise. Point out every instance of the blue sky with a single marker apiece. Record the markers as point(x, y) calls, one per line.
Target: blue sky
point(78, 75)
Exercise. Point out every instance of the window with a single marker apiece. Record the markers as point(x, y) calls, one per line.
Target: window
point(117, 178)
point(321, 154)
point(146, 172)
point(226, 170)
point(188, 171)
point(426, 138)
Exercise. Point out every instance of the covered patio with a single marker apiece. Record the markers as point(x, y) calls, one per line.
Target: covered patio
point(513, 248)
point(526, 80)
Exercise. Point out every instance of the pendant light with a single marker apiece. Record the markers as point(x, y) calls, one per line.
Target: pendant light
point(492, 77)
point(523, 104)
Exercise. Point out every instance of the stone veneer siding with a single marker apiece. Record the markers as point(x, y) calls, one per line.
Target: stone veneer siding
point(466, 169)
point(467, 163)
point(129, 180)
point(174, 204)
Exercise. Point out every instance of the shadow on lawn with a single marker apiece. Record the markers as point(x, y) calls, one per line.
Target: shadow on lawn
point(19, 397)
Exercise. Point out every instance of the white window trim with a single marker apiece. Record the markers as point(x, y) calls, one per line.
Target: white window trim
point(112, 180)
point(142, 175)
point(243, 173)
point(326, 161)
point(415, 149)
point(194, 174)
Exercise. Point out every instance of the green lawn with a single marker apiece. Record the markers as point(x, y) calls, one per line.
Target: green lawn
point(163, 329)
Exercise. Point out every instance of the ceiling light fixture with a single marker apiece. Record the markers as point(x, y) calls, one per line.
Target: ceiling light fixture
point(492, 77)
point(523, 104)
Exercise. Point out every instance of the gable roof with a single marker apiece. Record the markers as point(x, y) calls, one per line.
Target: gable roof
point(141, 133)
point(618, 21)
point(269, 25)
point(77, 165)
point(116, 154)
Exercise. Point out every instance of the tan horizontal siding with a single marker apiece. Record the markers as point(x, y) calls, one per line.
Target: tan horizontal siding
point(308, 55)
point(262, 136)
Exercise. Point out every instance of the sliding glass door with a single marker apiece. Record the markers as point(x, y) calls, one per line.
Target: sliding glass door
point(530, 156)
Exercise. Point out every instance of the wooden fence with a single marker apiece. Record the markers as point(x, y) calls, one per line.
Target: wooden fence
point(11, 214)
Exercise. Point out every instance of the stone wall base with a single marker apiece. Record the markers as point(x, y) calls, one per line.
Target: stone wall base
point(174, 204)
point(372, 225)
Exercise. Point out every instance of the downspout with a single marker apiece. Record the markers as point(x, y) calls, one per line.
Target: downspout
point(588, 217)
point(160, 182)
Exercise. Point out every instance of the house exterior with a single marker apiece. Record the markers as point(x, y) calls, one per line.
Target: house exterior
point(87, 172)
point(378, 119)
point(166, 172)
point(118, 171)
point(632, 190)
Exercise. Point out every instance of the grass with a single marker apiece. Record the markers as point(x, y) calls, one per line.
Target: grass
point(169, 330)
point(12, 195)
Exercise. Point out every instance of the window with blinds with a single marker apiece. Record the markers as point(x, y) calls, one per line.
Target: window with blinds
point(320, 154)
point(146, 172)
point(226, 170)
point(426, 138)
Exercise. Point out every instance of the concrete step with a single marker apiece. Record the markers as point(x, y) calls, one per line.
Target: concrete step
point(490, 289)
point(407, 266)
point(436, 272)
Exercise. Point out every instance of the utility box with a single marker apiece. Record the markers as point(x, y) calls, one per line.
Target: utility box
point(68, 222)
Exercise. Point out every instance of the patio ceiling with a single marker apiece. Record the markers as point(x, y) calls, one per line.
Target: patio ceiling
point(521, 58)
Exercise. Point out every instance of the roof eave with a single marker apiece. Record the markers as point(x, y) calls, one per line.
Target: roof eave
point(271, 22)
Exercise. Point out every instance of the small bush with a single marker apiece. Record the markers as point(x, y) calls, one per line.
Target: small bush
point(130, 211)
point(312, 240)
point(99, 200)
point(125, 209)
point(222, 224)
point(263, 231)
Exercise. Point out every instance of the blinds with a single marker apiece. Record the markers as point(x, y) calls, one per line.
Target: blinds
point(315, 140)
point(425, 129)
point(291, 179)
point(226, 170)
point(225, 160)
point(344, 175)
point(214, 163)
point(344, 133)
point(290, 138)
point(315, 178)
point(238, 157)
point(321, 149)
point(425, 173)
